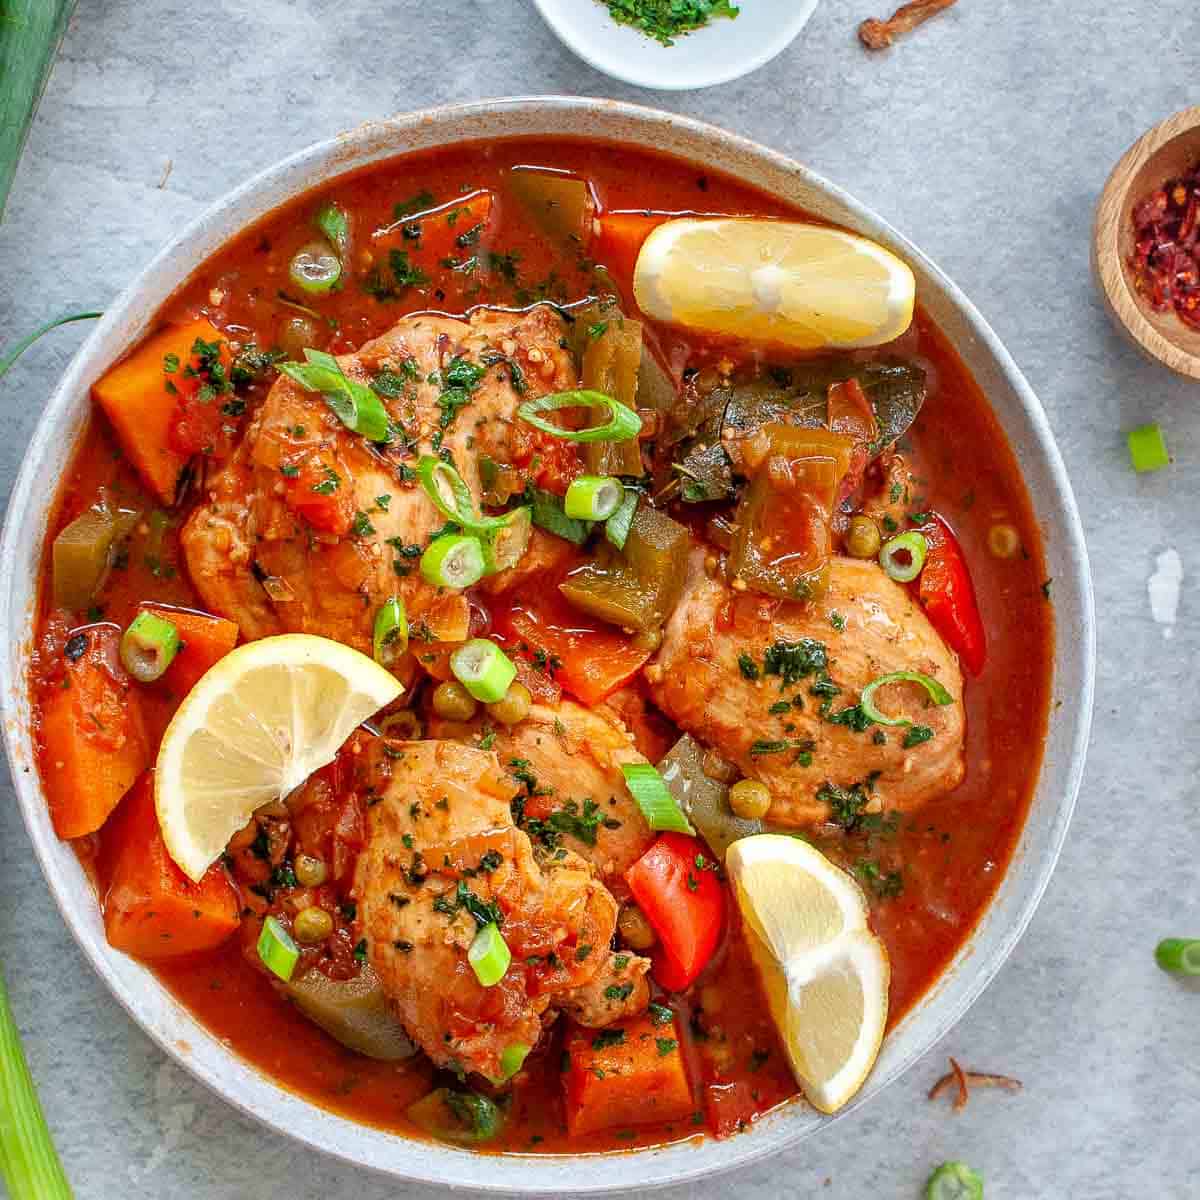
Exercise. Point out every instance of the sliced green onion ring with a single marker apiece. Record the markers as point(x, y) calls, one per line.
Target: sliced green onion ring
point(391, 632)
point(656, 802)
point(954, 1181)
point(334, 224)
point(617, 527)
point(149, 646)
point(912, 543)
point(504, 545)
point(279, 954)
point(622, 424)
point(448, 490)
point(315, 268)
point(593, 497)
point(454, 560)
point(937, 694)
point(489, 955)
point(353, 403)
point(1179, 956)
point(483, 669)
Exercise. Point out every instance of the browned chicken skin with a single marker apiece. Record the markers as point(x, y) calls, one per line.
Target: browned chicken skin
point(702, 682)
point(442, 858)
point(322, 583)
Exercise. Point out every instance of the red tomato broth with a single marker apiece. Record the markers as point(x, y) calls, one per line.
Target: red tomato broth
point(951, 855)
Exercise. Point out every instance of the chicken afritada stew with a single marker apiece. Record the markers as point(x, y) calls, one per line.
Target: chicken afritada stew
point(542, 648)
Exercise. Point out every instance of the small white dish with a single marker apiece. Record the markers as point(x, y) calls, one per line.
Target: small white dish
point(723, 50)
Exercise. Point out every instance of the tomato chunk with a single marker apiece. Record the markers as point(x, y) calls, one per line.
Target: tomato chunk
point(676, 886)
point(151, 909)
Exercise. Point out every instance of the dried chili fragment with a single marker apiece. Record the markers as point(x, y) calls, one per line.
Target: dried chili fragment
point(879, 35)
point(1165, 260)
point(965, 1080)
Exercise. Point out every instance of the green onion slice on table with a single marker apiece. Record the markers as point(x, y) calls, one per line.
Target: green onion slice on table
point(489, 955)
point(954, 1181)
point(936, 692)
point(891, 557)
point(1148, 448)
point(149, 646)
point(654, 799)
point(29, 1162)
point(593, 497)
point(390, 638)
point(623, 423)
point(1179, 956)
point(483, 669)
point(455, 560)
point(353, 403)
point(279, 954)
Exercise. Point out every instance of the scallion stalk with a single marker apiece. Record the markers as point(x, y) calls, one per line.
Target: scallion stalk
point(28, 1159)
point(315, 268)
point(548, 514)
point(353, 403)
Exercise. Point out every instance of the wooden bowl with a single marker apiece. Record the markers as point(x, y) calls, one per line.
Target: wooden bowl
point(1166, 151)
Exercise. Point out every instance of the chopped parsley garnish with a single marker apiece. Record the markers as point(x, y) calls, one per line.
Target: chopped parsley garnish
point(665, 20)
point(485, 912)
point(329, 484)
point(665, 1046)
point(846, 805)
point(362, 525)
point(403, 276)
point(884, 885)
point(747, 666)
point(618, 991)
point(608, 1037)
point(916, 735)
point(414, 204)
point(660, 1014)
point(793, 661)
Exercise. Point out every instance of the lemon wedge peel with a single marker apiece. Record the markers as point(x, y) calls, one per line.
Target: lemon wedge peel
point(254, 728)
point(804, 286)
point(824, 972)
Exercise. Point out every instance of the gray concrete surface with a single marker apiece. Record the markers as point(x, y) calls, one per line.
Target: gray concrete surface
point(986, 138)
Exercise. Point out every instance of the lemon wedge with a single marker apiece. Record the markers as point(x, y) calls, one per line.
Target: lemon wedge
point(255, 727)
point(804, 286)
point(825, 973)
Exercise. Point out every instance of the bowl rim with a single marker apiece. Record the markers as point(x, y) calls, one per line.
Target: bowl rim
point(186, 1041)
point(573, 34)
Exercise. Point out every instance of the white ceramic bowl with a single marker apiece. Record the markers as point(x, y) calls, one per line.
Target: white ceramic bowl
point(723, 50)
point(1016, 407)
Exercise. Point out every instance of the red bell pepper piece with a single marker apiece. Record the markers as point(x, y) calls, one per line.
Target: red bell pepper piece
point(948, 596)
point(676, 886)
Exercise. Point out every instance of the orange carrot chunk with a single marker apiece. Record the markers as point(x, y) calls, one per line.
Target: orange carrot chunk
point(93, 736)
point(626, 1075)
point(136, 397)
point(151, 909)
point(204, 640)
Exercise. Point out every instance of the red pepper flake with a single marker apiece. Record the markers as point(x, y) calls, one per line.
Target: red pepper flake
point(1165, 261)
point(879, 35)
point(965, 1080)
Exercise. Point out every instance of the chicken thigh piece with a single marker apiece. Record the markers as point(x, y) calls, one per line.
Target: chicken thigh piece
point(311, 527)
point(565, 761)
point(773, 686)
point(443, 860)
